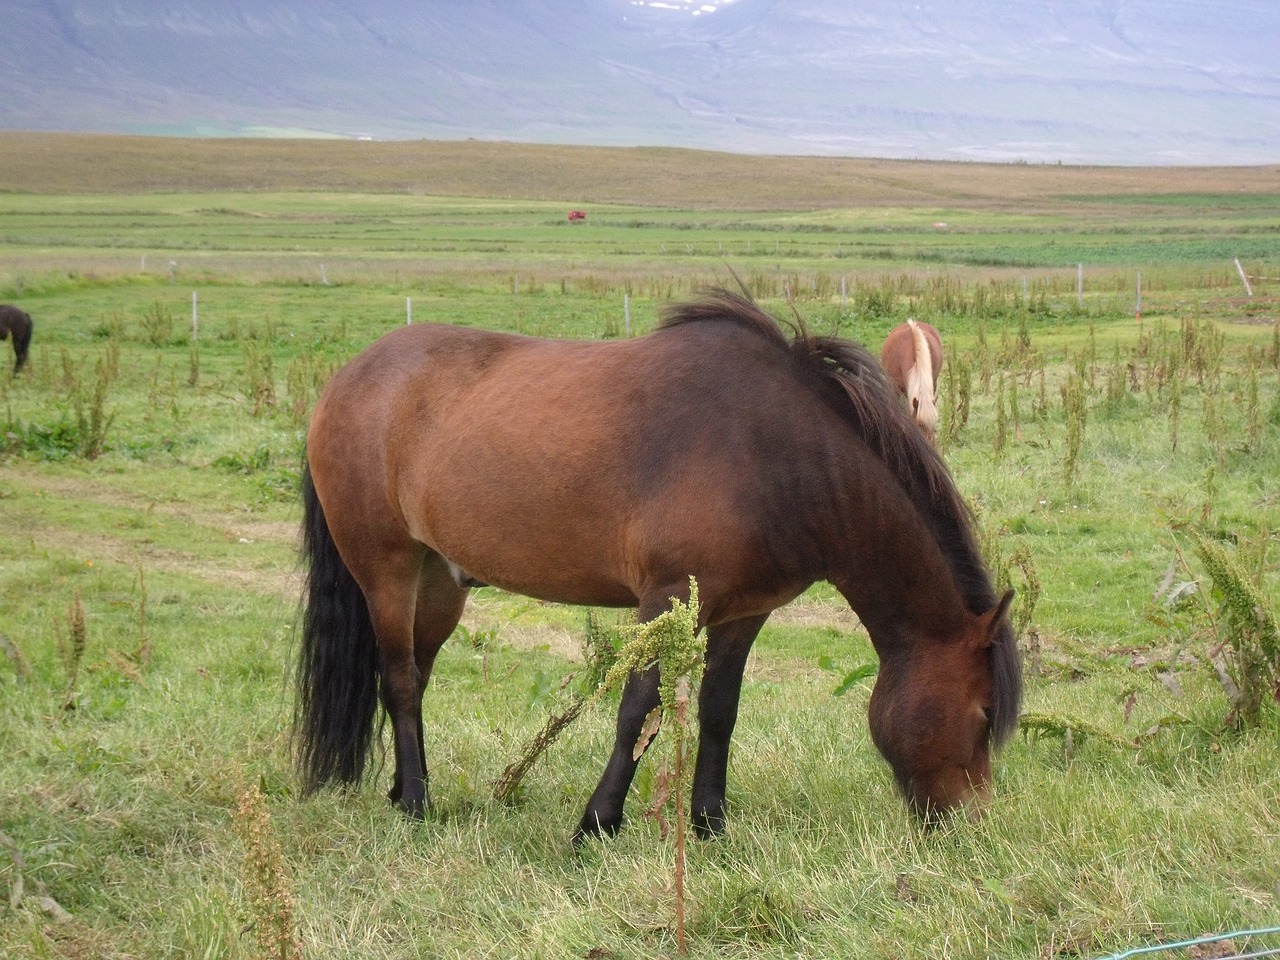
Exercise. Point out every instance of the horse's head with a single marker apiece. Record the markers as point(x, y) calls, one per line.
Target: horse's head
point(931, 717)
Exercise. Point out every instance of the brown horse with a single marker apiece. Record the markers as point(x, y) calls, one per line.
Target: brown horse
point(606, 474)
point(912, 357)
point(18, 323)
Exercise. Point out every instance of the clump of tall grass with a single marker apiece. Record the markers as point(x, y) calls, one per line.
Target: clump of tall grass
point(304, 380)
point(157, 324)
point(670, 641)
point(1002, 419)
point(13, 653)
point(142, 656)
point(958, 379)
point(1005, 557)
point(259, 383)
point(601, 642)
point(1074, 406)
point(94, 421)
point(71, 647)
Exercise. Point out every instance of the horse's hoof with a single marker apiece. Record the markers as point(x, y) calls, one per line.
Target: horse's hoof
point(708, 826)
point(593, 828)
point(413, 810)
point(417, 814)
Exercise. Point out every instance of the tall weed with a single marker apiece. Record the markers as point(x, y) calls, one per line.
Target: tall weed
point(1248, 636)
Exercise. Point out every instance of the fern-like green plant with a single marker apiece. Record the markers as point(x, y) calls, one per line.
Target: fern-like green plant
point(1247, 632)
point(669, 641)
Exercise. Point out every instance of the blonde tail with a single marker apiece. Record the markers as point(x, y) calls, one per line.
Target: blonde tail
point(920, 386)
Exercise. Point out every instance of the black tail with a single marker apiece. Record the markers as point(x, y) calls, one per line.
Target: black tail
point(337, 681)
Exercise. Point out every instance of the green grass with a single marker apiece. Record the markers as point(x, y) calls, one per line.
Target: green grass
point(1129, 815)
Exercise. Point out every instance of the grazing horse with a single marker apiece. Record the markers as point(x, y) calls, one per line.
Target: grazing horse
point(912, 357)
point(606, 474)
point(18, 323)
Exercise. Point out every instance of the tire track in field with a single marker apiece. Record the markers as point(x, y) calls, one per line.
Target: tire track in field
point(505, 612)
point(73, 488)
point(98, 546)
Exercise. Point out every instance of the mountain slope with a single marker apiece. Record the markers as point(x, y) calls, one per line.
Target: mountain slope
point(1103, 81)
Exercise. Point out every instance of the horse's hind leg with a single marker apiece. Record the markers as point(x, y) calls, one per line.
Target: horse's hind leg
point(391, 601)
point(728, 645)
point(393, 592)
point(438, 609)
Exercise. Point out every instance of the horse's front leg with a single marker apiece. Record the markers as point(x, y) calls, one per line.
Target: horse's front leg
point(728, 645)
point(603, 816)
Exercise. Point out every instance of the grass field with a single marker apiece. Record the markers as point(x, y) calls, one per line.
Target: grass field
point(149, 581)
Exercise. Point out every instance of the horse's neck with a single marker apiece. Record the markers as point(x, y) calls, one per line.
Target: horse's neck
point(891, 569)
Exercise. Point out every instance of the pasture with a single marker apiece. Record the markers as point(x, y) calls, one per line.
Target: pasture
point(188, 309)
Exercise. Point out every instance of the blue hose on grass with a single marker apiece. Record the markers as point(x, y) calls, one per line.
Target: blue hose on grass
point(1181, 944)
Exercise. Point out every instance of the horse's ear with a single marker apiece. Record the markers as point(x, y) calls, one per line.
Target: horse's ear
point(991, 620)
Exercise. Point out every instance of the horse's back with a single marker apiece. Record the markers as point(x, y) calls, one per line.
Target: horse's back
point(898, 354)
point(571, 470)
point(934, 340)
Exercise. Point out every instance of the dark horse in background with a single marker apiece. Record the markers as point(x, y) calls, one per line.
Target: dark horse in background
point(16, 323)
point(912, 357)
point(606, 474)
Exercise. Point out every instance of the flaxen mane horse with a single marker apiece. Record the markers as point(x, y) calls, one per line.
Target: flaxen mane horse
point(912, 357)
point(16, 323)
point(606, 474)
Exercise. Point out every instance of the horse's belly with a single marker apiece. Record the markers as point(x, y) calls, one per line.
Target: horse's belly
point(559, 574)
point(533, 542)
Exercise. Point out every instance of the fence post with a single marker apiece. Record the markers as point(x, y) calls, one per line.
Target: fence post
point(1243, 279)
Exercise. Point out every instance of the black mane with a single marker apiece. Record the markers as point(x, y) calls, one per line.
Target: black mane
point(871, 404)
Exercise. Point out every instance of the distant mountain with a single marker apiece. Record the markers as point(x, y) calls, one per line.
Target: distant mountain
point(1088, 81)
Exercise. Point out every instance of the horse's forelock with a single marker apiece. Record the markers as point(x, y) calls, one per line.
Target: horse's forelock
point(1006, 692)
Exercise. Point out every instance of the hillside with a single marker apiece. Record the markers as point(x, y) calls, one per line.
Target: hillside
point(81, 163)
point(1117, 82)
